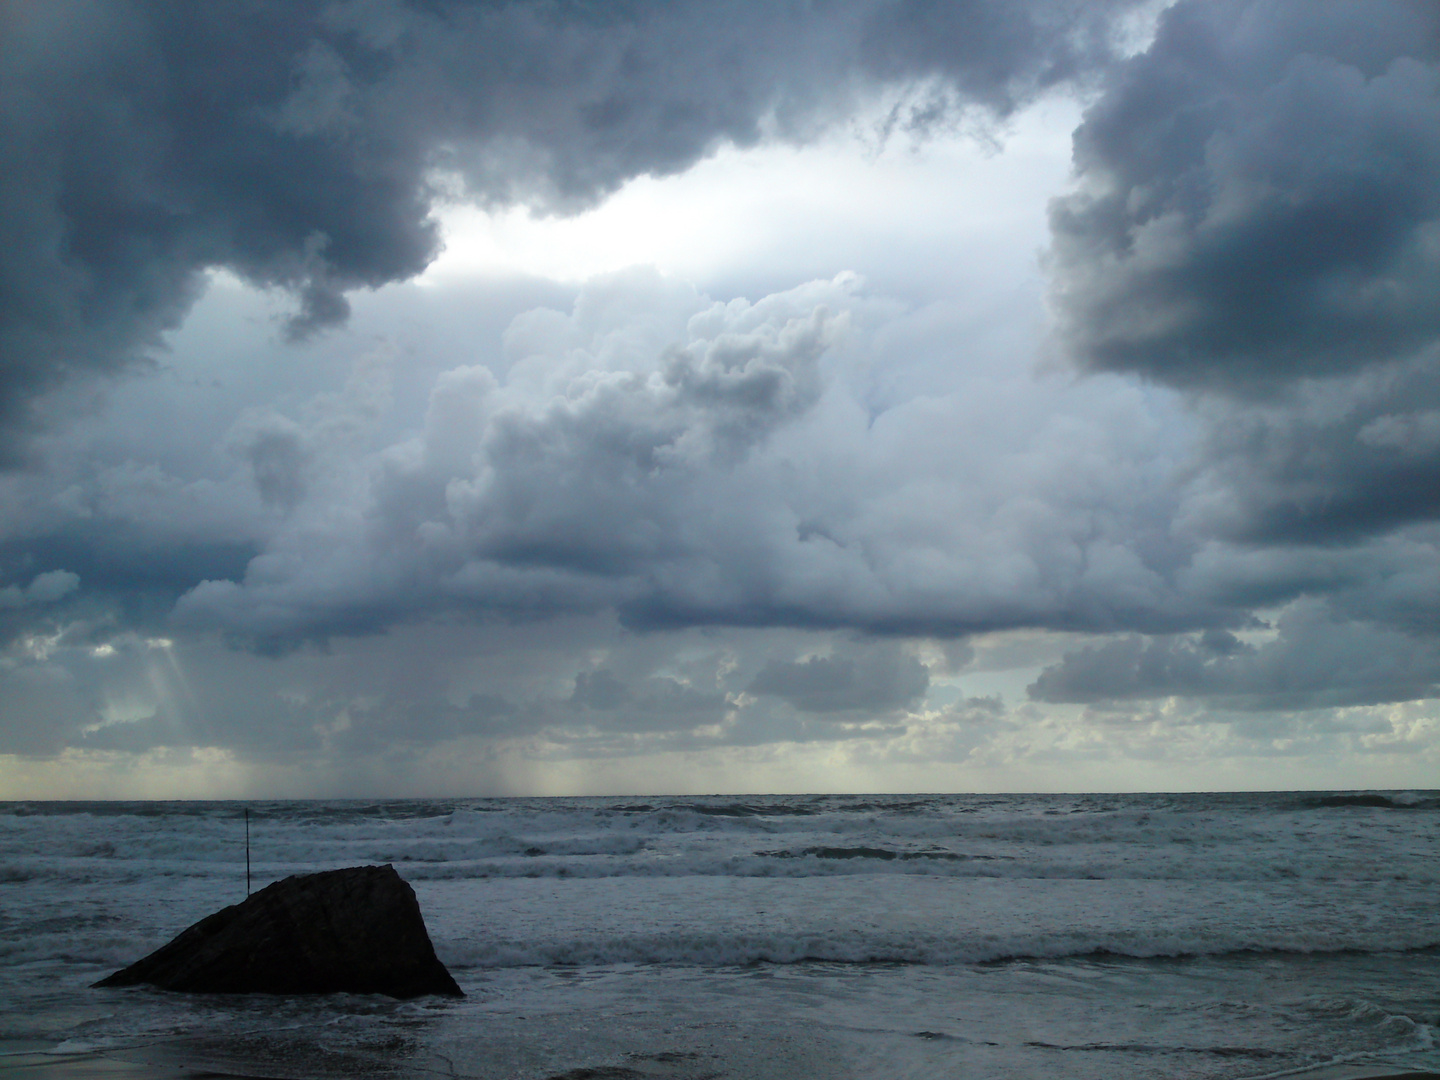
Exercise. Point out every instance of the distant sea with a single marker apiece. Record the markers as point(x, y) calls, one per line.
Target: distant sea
point(1217, 936)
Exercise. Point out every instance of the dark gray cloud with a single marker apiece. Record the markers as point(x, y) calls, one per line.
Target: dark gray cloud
point(94, 684)
point(300, 144)
point(274, 447)
point(44, 588)
point(400, 533)
point(873, 681)
point(1334, 462)
point(146, 142)
point(136, 536)
point(1316, 660)
point(655, 703)
point(1255, 222)
point(582, 686)
point(1259, 196)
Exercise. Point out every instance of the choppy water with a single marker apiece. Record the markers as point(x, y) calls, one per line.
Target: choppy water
point(1217, 936)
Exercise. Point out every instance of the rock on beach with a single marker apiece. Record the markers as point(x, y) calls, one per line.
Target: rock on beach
point(357, 930)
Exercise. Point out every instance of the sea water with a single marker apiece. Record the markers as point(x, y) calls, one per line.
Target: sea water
point(1023, 936)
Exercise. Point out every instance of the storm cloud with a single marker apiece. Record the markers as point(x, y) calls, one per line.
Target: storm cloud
point(1259, 197)
point(1314, 661)
point(302, 146)
point(995, 478)
point(873, 681)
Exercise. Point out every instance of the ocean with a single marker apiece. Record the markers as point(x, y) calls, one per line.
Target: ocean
point(1217, 936)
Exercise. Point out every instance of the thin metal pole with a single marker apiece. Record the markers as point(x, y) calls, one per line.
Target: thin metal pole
point(247, 851)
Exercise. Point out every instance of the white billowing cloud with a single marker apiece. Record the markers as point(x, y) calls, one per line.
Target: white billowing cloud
point(558, 477)
point(685, 461)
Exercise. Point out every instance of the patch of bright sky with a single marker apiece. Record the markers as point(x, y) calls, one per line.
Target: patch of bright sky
point(844, 202)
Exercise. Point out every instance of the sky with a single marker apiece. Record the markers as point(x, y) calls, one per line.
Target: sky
point(431, 398)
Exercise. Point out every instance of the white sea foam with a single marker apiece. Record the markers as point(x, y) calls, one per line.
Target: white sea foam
point(573, 838)
point(856, 948)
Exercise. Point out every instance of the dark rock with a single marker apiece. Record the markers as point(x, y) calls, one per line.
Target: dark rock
point(356, 931)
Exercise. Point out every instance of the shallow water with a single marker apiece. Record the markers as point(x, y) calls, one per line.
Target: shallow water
point(1216, 936)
